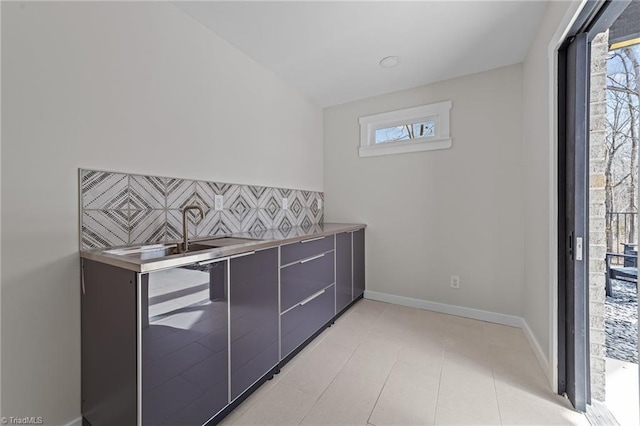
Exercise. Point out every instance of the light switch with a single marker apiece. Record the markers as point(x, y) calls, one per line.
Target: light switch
point(285, 204)
point(218, 202)
point(319, 203)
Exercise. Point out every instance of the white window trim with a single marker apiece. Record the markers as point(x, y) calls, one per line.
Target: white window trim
point(438, 113)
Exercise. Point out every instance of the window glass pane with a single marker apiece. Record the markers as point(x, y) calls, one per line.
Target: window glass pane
point(405, 132)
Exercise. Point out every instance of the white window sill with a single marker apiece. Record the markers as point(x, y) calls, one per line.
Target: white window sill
point(404, 147)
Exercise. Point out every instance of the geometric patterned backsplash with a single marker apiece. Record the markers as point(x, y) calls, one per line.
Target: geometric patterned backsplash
point(119, 209)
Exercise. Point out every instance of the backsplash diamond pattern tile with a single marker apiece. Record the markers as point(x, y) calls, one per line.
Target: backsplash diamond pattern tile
point(231, 221)
point(147, 192)
point(257, 196)
point(296, 206)
point(307, 221)
point(147, 226)
point(105, 228)
point(283, 220)
point(207, 225)
point(174, 224)
point(254, 221)
point(283, 193)
point(263, 220)
point(272, 207)
point(104, 191)
point(179, 192)
point(119, 209)
point(254, 193)
point(220, 188)
point(230, 194)
point(241, 204)
point(314, 207)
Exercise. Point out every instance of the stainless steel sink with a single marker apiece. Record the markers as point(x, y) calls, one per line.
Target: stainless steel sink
point(155, 251)
point(226, 241)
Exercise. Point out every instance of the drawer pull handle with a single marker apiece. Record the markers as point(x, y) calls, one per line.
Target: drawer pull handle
point(249, 253)
point(313, 296)
point(312, 258)
point(312, 239)
point(209, 262)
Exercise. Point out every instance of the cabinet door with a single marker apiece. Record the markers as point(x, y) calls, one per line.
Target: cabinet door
point(109, 341)
point(184, 314)
point(344, 290)
point(358, 263)
point(254, 318)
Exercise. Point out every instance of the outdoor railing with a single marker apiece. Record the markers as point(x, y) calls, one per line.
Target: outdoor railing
point(621, 231)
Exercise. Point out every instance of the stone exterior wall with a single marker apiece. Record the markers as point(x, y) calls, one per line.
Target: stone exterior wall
point(597, 240)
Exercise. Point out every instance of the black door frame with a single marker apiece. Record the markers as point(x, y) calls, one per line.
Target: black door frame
point(573, 147)
point(574, 222)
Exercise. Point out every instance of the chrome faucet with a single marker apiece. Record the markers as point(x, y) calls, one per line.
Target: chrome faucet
point(185, 227)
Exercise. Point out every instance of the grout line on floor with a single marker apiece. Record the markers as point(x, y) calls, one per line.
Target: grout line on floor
point(493, 376)
point(386, 379)
point(444, 347)
point(444, 344)
point(330, 383)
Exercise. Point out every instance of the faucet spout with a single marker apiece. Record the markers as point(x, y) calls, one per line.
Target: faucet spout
point(185, 226)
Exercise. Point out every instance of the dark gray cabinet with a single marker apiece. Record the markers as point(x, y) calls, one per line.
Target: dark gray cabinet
point(182, 346)
point(254, 318)
point(305, 278)
point(350, 279)
point(307, 290)
point(108, 330)
point(305, 249)
point(184, 318)
point(358, 263)
point(301, 322)
point(344, 272)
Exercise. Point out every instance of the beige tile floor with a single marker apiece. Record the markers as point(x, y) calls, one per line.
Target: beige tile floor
point(383, 364)
point(622, 391)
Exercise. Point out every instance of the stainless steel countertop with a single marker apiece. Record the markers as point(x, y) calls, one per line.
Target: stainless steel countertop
point(264, 239)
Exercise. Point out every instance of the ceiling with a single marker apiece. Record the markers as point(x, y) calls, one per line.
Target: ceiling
point(330, 50)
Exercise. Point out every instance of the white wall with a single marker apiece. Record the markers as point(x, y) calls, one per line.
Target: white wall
point(131, 87)
point(0, 220)
point(539, 154)
point(438, 213)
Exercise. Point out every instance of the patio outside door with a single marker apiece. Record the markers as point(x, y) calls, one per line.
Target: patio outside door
point(573, 198)
point(573, 232)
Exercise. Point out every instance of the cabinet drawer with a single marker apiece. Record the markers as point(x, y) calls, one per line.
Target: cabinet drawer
point(306, 248)
point(301, 322)
point(301, 280)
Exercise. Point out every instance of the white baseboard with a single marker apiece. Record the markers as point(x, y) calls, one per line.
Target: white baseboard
point(476, 314)
point(539, 353)
point(76, 422)
point(446, 309)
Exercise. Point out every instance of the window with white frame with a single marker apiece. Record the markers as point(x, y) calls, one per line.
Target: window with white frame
point(422, 128)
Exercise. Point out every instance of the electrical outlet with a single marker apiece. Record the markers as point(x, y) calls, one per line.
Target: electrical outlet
point(319, 203)
point(455, 281)
point(218, 202)
point(285, 204)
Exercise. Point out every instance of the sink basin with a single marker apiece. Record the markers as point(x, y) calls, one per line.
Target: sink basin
point(194, 247)
point(154, 251)
point(226, 241)
point(128, 251)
